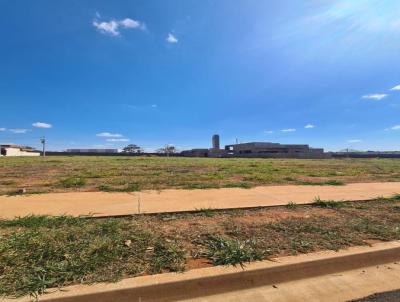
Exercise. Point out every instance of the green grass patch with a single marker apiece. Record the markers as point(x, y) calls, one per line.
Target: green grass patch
point(72, 182)
point(156, 173)
point(45, 255)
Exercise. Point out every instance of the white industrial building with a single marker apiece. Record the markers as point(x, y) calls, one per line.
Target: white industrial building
point(15, 150)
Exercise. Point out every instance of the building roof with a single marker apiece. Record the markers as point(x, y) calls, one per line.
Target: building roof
point(23, 148)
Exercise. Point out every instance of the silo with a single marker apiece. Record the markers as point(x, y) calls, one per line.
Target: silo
point(215, 141)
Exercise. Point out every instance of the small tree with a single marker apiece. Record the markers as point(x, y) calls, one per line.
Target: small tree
point(168, 149)
point(132, 148)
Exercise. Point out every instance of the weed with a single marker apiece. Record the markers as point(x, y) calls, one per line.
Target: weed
point(226, 251)
point(330, 204)
point(291, 205)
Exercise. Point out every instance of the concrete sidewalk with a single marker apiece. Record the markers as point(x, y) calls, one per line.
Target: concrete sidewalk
point(101, 204)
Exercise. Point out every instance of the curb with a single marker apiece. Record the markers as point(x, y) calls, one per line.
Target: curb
point(216, 280)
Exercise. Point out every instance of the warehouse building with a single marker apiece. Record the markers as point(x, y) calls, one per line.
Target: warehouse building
point(266, 148)
point(257, 149)
point(15, 150)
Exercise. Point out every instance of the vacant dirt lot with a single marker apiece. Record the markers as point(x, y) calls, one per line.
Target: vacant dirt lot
point(128, 174)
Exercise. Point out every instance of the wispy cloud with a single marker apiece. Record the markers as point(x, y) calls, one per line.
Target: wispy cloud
point(376, 97)
point(117, 140)
point(396, 88)
point(288, 130)
point(309, 126)
point(42, 125)
point(354, 141)
point(19, 131)
point(154, 106)
point(108, 134)
point(268, 131)
point(113, 27)
point(171, 38)
point(361, 16)
point(395, 127)
point(2, 129)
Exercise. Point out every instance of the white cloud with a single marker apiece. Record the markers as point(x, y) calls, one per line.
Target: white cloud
point(395, 127)
point(268, 131)
point(19, 131)
point(108, 134)
point(171, 38)
point(129, 23)
point(288, 130)
point(2, 129)
point(42, 125)
point(117, 140)
point(376, 97)
point(154, 106)
point(112, 27)
point(354, 141)
point(309, 126)
point(396, 88)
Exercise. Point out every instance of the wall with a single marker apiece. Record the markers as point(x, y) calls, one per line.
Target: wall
point(18, 152)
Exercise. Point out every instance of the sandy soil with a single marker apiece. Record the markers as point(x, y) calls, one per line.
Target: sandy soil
point(114, 204)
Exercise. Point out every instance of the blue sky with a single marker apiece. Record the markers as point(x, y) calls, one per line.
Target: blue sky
point(108, 73)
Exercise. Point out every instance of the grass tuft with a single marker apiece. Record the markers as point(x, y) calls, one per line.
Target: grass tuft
point(329, 204)
point(291, 205)
point(226, 251)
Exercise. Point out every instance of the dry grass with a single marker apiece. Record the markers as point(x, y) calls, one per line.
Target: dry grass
point(39, 252)
point(126, 174)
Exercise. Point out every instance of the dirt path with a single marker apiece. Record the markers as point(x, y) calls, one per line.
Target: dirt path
point(113, 204)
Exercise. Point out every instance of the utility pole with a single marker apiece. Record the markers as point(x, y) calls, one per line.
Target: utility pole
point(43, 142)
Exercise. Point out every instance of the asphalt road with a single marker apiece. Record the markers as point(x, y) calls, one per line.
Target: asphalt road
point(393, 296)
